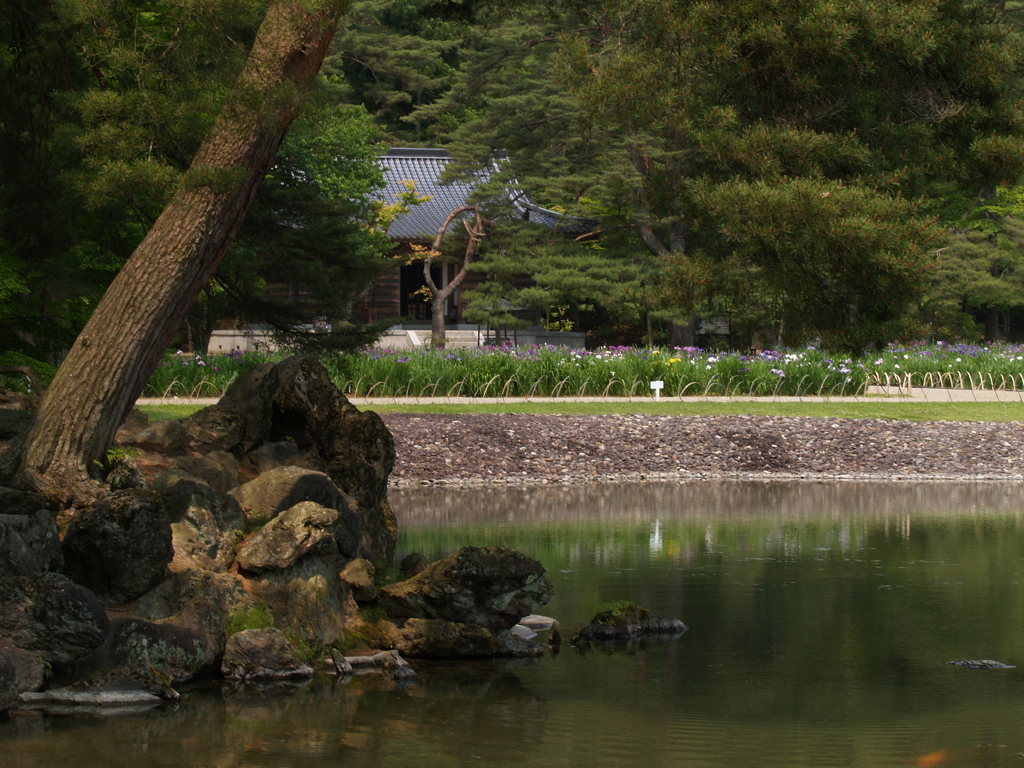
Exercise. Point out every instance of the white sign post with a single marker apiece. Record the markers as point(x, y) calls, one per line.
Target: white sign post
point(657, 386)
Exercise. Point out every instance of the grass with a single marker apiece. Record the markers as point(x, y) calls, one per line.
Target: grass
point(875, 408)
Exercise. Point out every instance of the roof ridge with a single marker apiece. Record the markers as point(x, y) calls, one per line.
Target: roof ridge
point(441, 154)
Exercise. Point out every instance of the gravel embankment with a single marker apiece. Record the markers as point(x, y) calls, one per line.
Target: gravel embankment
point(526, 449)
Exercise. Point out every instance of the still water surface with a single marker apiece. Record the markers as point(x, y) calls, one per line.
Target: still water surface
point(821, 619)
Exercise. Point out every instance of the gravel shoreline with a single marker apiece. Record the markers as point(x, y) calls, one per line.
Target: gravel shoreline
point(522, 449)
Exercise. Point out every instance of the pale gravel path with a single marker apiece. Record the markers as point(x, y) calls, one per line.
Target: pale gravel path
point(526, 449)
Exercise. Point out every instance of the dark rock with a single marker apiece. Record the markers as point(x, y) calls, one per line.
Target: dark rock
point(212, 597)
point(198, 603)
point(218, 469)
point(120, 547)
point(29, 543)
point(341, 664)
point(359, 575)
point(492, 587)
point(518, 647)
point(271, 455)
point(154, 654)
point(14, 502)
point(304, 529)
point(435, 639)
point(166, 436)
point(645, 627)
point(8, 684)
point(28, 667)
point(205, 525)
point(123, 473)
point(413, 563)
point(261, 654)
point(49, 615)
point(240, 422)
point(14, 422)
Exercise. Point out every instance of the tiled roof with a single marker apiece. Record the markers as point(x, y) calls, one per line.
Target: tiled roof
point(425, 166)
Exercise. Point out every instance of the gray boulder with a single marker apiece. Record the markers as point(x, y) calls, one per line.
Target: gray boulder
point(28, 668)
point(261, 655)
point(218, 469)
point(51, 616)
point(492, 587)
point(120, 547)
point(304, 529)
point(29, 543)
point(205, 525)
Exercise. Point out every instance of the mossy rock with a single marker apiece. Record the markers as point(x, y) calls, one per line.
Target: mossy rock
point(620, 614)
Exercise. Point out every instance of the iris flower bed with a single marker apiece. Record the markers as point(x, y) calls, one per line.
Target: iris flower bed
point(618, 371)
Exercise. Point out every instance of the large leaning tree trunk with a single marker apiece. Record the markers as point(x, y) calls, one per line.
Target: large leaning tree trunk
point(439, 296)
point(121, 345)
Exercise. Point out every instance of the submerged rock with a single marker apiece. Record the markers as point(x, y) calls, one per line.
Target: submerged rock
point(624, 621)
point(981, 664)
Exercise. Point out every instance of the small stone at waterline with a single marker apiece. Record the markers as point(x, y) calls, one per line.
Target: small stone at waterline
point(981, 664)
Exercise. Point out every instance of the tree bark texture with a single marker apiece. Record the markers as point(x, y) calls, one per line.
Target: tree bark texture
point(121, 345)
point(476, 233)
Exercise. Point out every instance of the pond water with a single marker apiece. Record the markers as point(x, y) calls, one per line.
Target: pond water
point(821, 619)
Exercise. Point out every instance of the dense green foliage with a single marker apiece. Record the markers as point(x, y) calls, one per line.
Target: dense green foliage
point(105, 105)
point(816, 171)
point(760, 159)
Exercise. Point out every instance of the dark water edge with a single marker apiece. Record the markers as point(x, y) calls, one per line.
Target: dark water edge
point(821, 619)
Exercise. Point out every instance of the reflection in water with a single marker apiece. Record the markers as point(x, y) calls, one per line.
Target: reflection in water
point(821, 617)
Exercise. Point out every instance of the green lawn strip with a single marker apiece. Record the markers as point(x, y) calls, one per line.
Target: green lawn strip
point(168, 411)
point(869, 409)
